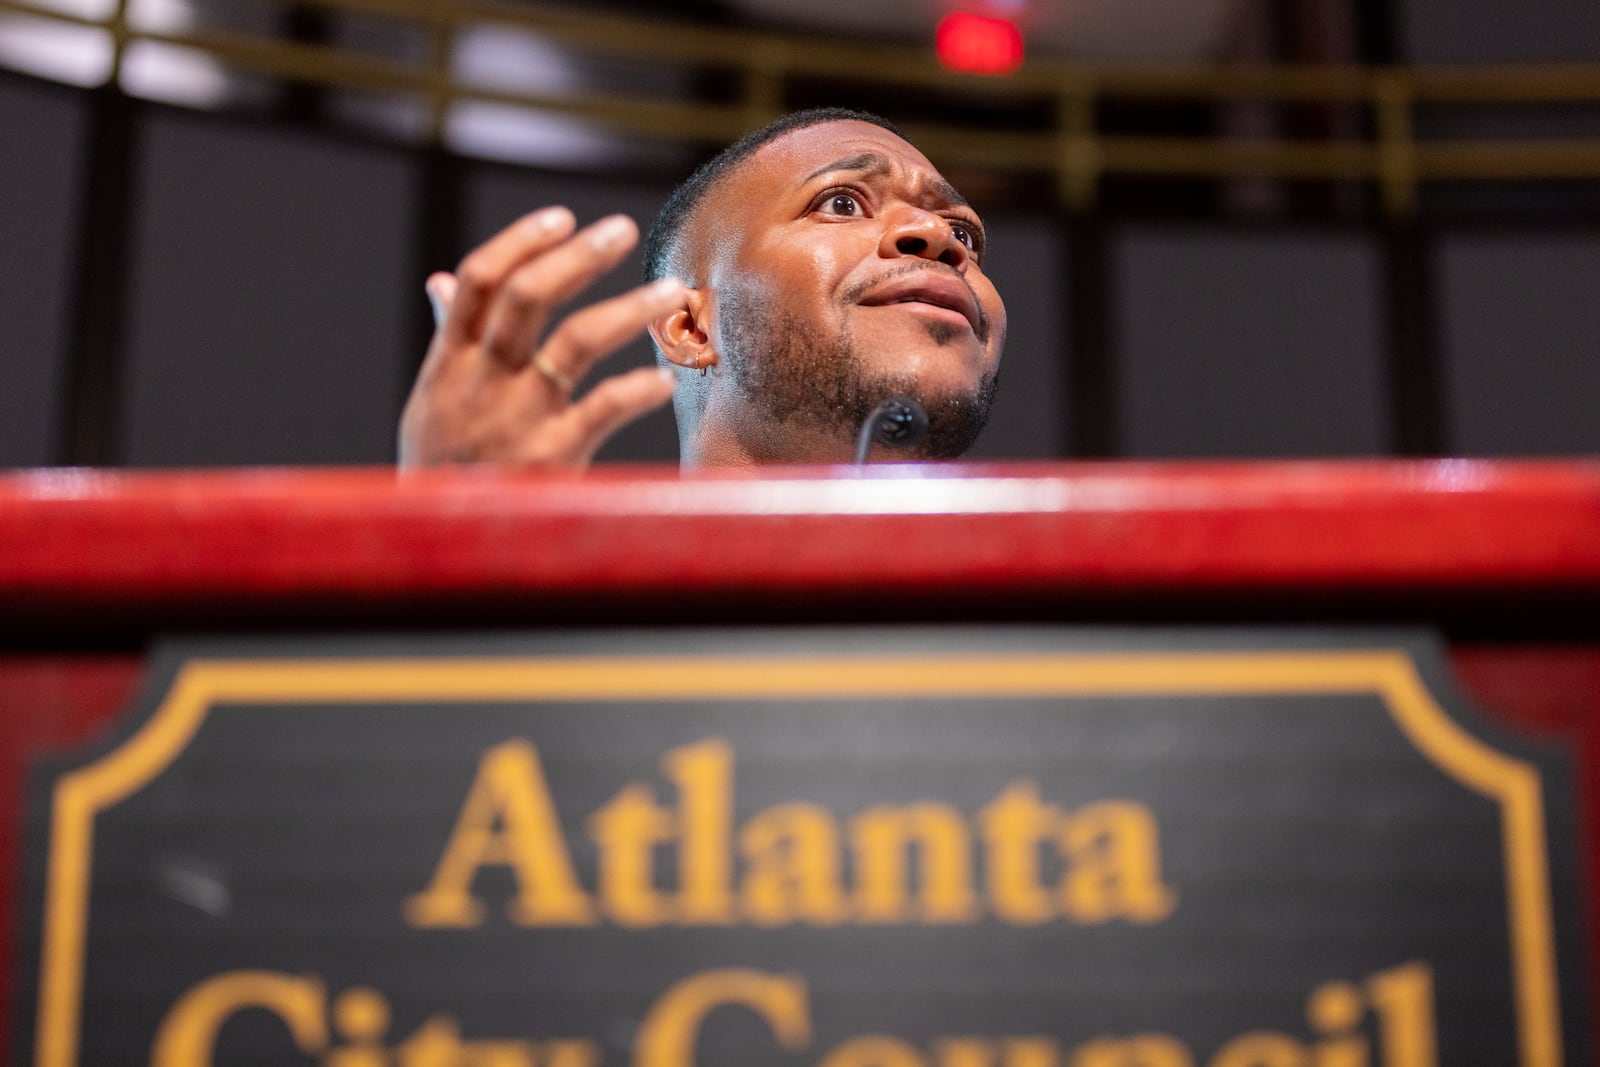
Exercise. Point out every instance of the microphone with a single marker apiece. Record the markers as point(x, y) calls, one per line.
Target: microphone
point(898, 422)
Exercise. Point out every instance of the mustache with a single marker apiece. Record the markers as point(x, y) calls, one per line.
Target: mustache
point(862, 288)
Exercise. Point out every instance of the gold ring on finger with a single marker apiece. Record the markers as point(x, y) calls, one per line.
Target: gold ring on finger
point(554, 376)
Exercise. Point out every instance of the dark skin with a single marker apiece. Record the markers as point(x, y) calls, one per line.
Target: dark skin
point(842, 230)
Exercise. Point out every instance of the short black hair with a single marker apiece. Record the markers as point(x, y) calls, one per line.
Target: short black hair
point(663, 239)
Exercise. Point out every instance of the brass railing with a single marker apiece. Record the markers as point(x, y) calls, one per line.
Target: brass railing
point(1385, 149)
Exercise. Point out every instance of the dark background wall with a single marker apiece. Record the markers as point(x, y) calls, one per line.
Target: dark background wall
point(268, 305)
point(44, 126)
point(1240, 343)
point(269, 275)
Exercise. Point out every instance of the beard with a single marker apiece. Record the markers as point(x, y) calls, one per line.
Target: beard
point(793, 374)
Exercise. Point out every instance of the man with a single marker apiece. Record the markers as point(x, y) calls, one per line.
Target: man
point(814, 268)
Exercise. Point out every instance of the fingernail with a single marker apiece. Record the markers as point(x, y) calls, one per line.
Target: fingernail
point(668, 374)
point(661, 288)
point(435, 303)
point(551, 218)
point(609, 233)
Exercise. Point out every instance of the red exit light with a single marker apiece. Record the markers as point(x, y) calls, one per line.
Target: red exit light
point(977, 44)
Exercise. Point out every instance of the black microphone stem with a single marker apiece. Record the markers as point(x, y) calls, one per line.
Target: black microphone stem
point(898, 422)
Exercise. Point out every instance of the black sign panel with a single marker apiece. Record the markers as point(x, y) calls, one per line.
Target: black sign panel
point(885, 848)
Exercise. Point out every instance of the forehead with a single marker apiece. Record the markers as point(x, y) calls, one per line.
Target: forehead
point(798, 154)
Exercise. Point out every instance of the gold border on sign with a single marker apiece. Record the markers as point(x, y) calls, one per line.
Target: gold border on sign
point(1390, 674)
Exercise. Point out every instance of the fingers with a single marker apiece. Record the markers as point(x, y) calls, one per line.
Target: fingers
point(477, 399)
point(608, 407)
point(441, 290)
point(486, 269)
point(598, 331)
point(522, 307)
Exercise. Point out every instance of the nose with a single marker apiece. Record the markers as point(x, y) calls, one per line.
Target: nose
point(911, 231)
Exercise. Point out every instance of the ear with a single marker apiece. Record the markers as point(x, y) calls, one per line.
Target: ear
point(683, 334)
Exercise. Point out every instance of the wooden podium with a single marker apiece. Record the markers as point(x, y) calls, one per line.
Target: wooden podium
point(1501, 559)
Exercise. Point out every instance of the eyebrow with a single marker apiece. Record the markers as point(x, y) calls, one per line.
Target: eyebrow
point(872, 163)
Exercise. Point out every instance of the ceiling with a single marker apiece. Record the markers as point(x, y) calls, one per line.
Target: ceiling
point(1081, 29)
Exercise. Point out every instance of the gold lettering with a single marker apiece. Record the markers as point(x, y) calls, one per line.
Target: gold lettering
point(671, 1029)
point(1334, 1009)
point(1145, 1050)
point(792, 873)
point(911, 864)
point(964, 1052)
point(703, 773)
point(627, 831)
point(873, 1051)
point(362, 1017)
point(1403, 1000)
point(1262, 1050)
point(188, 1033)
point(499, 1054)
point(510, 788)
point(437, 1043)
point(1113, 858)
point(1031, 1052)
point(571, 1054)
point(882, 838)
point(1013, 825)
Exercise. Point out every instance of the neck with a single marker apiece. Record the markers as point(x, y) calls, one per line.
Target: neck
point(748, 441)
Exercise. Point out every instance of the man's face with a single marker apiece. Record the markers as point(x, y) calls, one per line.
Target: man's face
point(845, 270)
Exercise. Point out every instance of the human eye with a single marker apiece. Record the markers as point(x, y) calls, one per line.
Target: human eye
point(840, 203)
point(969, 233)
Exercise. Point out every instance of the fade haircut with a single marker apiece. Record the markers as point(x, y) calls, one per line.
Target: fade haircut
point(662, 243)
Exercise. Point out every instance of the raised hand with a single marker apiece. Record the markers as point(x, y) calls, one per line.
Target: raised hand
point(494, 387)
